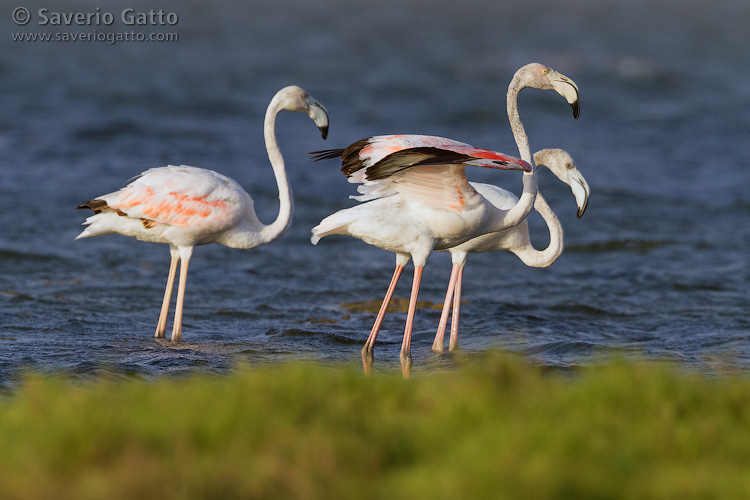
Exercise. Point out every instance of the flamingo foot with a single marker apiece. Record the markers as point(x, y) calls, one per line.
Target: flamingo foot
point(177, 328)
point(405, 363)
point(437, 347)
point(367, 359)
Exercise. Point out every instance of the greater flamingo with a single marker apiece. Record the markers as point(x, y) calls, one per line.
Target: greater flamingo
point(188, 206)
point(418, 198)
point(515, 239)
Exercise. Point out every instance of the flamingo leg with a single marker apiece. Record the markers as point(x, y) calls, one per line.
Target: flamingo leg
point(406, 344)
point(437, 345)
point(367, 350)
point(177, 328)
point(453, 343)
point(161, 326)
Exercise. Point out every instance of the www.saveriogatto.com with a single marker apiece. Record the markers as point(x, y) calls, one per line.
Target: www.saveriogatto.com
point(96, 25)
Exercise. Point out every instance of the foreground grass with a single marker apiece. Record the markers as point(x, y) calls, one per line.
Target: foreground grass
point(494, 428)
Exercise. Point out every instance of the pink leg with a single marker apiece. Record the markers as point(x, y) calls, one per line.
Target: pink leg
point(406, 344)
point(367, 350)
point(177, 329)
point(456, 306)
point(437, 345)
point(161, 326)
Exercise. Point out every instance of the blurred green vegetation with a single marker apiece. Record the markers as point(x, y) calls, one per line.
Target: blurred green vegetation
point(493, 428)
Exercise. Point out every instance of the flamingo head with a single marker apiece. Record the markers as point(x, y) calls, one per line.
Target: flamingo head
point(540, 76)
point(293, 98)
point(561, 164)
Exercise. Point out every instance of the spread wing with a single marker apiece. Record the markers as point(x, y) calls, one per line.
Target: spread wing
point(427, 168)
point(378, 157)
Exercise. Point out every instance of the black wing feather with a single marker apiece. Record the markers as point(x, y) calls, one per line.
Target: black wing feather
point(326, 154)
point(391, 164)
point(413, 157)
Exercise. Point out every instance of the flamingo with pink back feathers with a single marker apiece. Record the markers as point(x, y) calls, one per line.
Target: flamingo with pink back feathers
point(186, 206)
point(417, 198)
point(516, 239)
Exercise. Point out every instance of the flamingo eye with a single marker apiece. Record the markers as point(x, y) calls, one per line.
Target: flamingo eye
point(569, 166)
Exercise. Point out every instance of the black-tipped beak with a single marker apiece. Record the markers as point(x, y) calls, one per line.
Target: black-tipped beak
point(569, 90)
point(580, 189)
point(320, 116)
point(582, 209)
point(576, 108)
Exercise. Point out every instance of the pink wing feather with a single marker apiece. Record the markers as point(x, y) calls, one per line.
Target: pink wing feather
point(180, 196)
point(362, 159)
point(421, 168)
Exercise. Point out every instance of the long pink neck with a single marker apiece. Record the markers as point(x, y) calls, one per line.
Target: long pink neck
point(286, 204)
point(252, 232)
point(543, 258)
point(525, 203)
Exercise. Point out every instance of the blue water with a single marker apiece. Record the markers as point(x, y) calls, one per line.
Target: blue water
point(657, 268)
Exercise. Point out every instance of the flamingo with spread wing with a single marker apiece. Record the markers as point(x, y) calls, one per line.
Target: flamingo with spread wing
point(417, 198)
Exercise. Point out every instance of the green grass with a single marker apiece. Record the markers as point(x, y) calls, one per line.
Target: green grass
point(493, 428)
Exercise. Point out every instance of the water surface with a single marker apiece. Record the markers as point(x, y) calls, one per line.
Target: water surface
point(657, 267)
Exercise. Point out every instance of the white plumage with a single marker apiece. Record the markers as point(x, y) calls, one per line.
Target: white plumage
point(417, 199)
point(186, 206)
point(516, 239)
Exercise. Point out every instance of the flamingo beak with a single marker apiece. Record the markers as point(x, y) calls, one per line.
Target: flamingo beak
point(319, 115)
point(568, 89)
point(580, 189)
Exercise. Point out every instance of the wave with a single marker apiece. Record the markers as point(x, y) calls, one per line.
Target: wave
point(624, 245)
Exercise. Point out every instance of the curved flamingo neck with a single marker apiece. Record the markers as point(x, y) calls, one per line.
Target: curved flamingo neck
point(516, 126)
point(286, 204)
point(525, 203)
point(543, 258)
